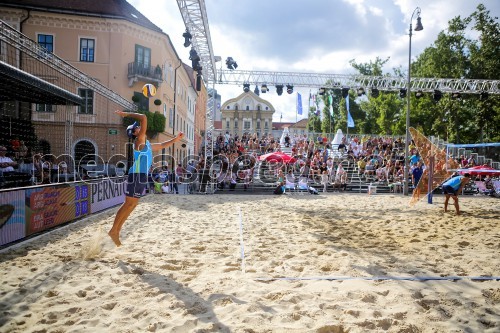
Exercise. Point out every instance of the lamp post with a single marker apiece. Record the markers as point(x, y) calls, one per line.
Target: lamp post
point(407, 162)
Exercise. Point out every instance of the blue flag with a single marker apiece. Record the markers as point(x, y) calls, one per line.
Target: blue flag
point(299, 103)
point(350, 121)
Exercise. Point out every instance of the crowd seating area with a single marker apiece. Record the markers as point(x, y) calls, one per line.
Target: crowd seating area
point(360, 165)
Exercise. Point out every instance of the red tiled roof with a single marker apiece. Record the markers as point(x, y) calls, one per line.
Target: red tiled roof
point(280, 125)
point(301, 123)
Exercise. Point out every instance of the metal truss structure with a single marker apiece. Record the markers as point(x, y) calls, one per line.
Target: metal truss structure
point(338, 81)
point(25, 45)
point(194, 14)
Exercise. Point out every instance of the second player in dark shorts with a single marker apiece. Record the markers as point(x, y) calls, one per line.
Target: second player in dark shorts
point(447, 189)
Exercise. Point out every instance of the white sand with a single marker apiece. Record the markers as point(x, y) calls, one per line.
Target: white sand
point(180, 268)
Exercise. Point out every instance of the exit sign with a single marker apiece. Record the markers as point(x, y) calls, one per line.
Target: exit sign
point(112, 131)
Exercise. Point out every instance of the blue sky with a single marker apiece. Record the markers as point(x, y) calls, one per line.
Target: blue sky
point(314, 36)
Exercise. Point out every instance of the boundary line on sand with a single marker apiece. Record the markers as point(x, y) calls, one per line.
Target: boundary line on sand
point(242, 245)
point(384, 278)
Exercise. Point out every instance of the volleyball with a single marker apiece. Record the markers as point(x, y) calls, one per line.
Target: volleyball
point(149, 90)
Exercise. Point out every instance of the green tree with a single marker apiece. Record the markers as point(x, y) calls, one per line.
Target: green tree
point(454, 54)
point(371, 68)
point(314, 121)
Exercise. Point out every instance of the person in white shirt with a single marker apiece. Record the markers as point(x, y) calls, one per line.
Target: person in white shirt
point(6, 163)
point(165, 188)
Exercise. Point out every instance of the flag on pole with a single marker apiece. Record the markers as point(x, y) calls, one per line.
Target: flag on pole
point(299, 104)
point(350, 121)
point(313, 103)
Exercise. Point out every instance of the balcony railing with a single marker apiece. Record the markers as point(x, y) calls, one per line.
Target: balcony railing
point(139, 72)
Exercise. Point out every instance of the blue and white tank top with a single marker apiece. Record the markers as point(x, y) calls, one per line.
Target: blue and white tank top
point(143, 159)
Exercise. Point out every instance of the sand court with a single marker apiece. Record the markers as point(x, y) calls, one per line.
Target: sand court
point(262, 263)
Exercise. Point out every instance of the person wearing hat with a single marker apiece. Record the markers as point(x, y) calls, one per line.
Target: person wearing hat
point(138, 172)
point(452, 187)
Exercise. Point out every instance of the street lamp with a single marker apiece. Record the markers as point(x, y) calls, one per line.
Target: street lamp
point(407, 162)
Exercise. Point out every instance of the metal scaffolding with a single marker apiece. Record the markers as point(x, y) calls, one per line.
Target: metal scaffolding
point(338, 81)
point(194, 14)
point(30, 48)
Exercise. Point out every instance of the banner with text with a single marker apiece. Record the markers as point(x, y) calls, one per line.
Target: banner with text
point(107, 193)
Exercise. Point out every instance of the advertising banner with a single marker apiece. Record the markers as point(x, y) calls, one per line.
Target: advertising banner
point(12, 221)
point(47, 207)
point(107, 193)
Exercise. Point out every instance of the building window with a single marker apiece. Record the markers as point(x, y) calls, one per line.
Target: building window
point(236, 107)
point(258, 107)
point(266, 126)
point(227, 123)
point(142, 58)
point(258, 124)
point(142, 101)
point(171, 118)
point(248, 108)
point(47, 41)
point(87, 50)
point(88, 101)
point(246, 124)
point(267, 108)
point(44, 108)
point(236, 123)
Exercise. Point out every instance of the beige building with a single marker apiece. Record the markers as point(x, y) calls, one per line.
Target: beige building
point(116, 45)
point(247, 113)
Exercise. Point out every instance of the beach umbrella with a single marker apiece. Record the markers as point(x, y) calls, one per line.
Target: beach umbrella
point(277, 157)
point(480, 170)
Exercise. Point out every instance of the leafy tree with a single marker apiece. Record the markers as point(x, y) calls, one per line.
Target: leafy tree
point(454, 54)
point(371, 68)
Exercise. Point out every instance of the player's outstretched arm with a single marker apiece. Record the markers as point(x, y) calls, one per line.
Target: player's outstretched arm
point(165, 144)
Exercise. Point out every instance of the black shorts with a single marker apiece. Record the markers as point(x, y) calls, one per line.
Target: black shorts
point(447, 189)
point(136, 185)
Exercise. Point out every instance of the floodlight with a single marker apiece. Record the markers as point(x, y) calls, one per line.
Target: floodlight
point(187, 38)
point(279, 89)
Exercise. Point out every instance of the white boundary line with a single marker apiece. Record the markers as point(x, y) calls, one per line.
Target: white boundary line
point(384, 278)
point(242, 246)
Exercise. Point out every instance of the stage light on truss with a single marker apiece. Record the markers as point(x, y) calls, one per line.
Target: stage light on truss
point(361, 91)
point(419, 94)
point(246, 87)
point(321, 91)
point(279, 89)
point(436, 96)
point(264, 88)
point(402, 92)
point(195, 60)
point(456, 95)
point(187, 38)
point(289, 88)
point(483, 95)
point(231, 63)
point(345, 92)
point(374, 92)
